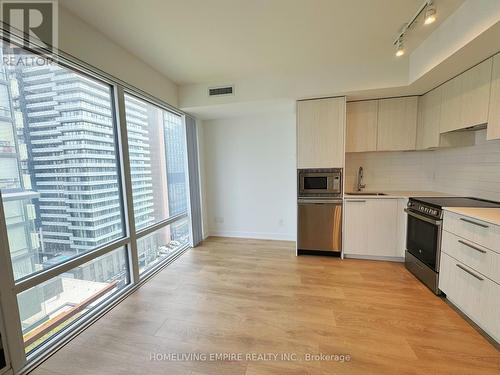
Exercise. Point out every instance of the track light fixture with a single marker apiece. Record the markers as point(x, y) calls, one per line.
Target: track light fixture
point(430, 14)
point(400, 50)
point(429, 17)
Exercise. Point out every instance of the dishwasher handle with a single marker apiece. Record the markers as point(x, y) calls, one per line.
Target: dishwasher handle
point(318, 201)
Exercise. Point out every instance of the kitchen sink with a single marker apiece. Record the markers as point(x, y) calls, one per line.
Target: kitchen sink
point(364, 193)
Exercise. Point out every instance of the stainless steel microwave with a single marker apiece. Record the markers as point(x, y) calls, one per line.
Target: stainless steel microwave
point(326, 182)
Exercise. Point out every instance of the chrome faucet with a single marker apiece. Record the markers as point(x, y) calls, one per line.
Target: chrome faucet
point(361, 186)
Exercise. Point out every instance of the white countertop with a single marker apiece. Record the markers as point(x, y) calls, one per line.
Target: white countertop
point(391, 194)
point(489, 215)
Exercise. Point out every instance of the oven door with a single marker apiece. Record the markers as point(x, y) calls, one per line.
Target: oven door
point(423, 239)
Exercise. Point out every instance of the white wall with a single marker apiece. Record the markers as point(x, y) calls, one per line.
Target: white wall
point(86, 43)
point(250, 177)
point(469, 171)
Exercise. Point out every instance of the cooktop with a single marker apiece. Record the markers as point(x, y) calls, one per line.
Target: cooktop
point(440, 202)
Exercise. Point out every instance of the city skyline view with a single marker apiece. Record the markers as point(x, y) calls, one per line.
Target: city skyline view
point(62, 190)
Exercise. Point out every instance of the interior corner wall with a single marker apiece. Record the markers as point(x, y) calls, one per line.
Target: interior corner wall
point(81, 40)
point(250, 182)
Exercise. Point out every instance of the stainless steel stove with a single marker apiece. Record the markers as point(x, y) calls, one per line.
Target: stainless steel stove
point(423, 236)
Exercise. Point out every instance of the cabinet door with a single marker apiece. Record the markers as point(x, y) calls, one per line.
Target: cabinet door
point(428, 120)
point(383, 231)
point(476, 94)
point(402, 227)
point(494, 111)
point(355, 226)
point(371, 227)
point(362, 126)
point(451, 113)
point(397, 124)
point(320, 133)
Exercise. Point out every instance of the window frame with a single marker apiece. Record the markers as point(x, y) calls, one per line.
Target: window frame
point(9, 288)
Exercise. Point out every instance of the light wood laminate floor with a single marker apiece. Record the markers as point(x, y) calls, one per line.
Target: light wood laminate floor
point(250, 296)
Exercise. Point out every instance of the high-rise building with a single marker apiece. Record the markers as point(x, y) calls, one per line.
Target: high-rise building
point(15, 184)
point(71, 142)
point(67, 127)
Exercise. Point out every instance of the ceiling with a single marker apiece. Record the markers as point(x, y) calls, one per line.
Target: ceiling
point(221, 41)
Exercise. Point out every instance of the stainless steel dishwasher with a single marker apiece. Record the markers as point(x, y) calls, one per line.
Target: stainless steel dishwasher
point(320, 225)
point(319, 211)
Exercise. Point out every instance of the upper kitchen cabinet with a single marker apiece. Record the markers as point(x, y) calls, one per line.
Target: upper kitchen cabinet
point(465, 99)
point(494, 112)
point(397, 124)
point(362, 126)
point(476, 94)
point(451, 105)
point(429, 114)
point(428, 127)
point(320, 133)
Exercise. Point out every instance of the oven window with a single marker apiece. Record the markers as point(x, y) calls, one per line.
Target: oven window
point(422, 240)
point(316, 183)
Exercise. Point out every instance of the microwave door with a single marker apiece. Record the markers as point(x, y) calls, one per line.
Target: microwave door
point(312, 184)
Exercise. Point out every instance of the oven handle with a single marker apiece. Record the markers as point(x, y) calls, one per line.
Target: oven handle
point(434, 222)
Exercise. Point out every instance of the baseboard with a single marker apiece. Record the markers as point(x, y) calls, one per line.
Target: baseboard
point(253, 235)
point(474, 325)
point(374, 257)
point(334, 254)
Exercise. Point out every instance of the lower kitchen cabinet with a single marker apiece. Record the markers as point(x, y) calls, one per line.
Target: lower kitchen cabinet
point(373, 228)
point(473, 293)
point(469, 271)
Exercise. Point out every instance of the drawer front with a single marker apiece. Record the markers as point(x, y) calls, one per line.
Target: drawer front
point(477, 231)
point(461, 288)
point(475, 256)
point(477, 298)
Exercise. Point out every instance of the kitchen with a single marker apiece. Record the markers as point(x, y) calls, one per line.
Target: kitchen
point(449, 242)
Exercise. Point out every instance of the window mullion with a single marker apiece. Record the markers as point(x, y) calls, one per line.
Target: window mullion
point(8, 297)
point(126, 182)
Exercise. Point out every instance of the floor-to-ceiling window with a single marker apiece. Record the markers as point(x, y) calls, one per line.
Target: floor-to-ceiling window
point(157, 153)
point(84, 222)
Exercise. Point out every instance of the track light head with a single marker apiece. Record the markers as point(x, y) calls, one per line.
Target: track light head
point(430, 15)
point(400, 48)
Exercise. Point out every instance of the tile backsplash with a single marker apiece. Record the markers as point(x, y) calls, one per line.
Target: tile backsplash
point(470, 171)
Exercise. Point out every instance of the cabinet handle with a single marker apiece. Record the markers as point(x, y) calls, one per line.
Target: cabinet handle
point(473, 222)
point(472, 246)
point(470, 272)
point(357, 201)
